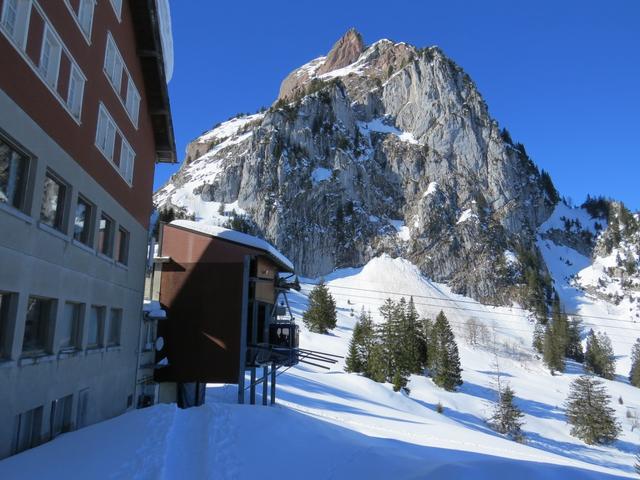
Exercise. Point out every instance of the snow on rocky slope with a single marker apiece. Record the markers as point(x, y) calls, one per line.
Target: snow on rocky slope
point(331, 424)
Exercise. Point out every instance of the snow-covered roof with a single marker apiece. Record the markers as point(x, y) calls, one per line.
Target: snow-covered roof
point(166, 36)
point(235, 237)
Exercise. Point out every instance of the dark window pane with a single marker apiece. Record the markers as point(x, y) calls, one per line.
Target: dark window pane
point(96, 326)
point(53, 197)
point(123, 246)
point(69, 324)
point(82, 222)
point(4, 319)
point(105, 239)
point(115, 324)
point(13, 176)
point(36, 327)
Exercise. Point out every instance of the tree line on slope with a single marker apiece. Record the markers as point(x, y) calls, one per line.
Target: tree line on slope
point(404, 344)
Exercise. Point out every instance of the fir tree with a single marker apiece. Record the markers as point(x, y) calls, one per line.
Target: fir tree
point(634, 374)
point(556, 338)
point(398, 381)
point(538, 337)
point(574, 340)
point(354, 361)
point(377, 364)
point(507, 416)
point(599, 357)
point(588, 412)
point(321, 315)
point(445, 362)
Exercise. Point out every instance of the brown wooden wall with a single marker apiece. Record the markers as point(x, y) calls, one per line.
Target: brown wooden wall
point(201, 290)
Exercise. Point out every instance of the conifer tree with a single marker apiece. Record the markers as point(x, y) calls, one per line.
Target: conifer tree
point(377, 364)
point(588, 412)
point(556, 338)
point(634, 374)
point(574, 340)
point(354, 363)
point(507, 416)
point(445, 362)
point(321, 316)
point(599, 357)
point(412, 336)
point(538, 337)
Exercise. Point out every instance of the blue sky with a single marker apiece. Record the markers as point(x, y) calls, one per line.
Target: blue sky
point(562, 76)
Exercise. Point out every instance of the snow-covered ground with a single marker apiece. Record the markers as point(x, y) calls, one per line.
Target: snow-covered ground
point(331, 424)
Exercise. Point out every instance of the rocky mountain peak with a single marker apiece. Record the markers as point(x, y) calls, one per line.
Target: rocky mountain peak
point(344, 52)
point(391, 151)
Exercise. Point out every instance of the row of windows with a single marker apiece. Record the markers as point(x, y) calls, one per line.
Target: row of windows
point(26, 25)
point(27, 430)
point(119, 77)
point(31, 32)
point(54, 209)
point(49, 331)
point(108, 138)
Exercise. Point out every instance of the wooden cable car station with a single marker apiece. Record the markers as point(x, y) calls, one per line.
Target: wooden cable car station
point(224, 293)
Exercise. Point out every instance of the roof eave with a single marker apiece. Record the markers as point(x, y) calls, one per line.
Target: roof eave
point(149, 50)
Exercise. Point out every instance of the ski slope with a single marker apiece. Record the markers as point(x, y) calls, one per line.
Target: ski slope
point(331, 424)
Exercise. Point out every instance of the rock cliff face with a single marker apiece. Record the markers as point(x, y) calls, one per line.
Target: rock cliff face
point(386, 148)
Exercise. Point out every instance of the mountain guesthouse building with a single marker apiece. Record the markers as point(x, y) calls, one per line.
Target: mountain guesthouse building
point(224, 294)
point(84, 118)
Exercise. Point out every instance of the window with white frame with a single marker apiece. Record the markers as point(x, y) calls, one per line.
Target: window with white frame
point(85, 16)
point(50, 57)
point(113, 64)
point(114, 68)
point(127, 157)
point(117, 7)
point(15, 20)
point(105, 133)
point(76, 91)
point(132, 103)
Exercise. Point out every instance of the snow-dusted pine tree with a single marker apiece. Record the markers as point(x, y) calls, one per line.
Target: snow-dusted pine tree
point(444, 365)
point(588, 412)
point(507, 416)
point(634, 374)
point(599, 357)
point(321, 315)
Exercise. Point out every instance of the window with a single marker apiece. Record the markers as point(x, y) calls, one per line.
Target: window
point(14, 171)
point(5, 304)
point(113, 64)
point(27, 430)
point(53, 202)
point(122, 246)
point(106, 133)
point(149, 336)
point(82, 224)
point(117, 7)
point(105, 236)
point(132, 103)
point(37, 325)
point(61, 415)
point(69, 326)
point(127, 157)
point(96, 327)
point(115, 324)
point(15, 19)
point(83, 407)
point(76, 90)
point(85, 17)
point(50, 57)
